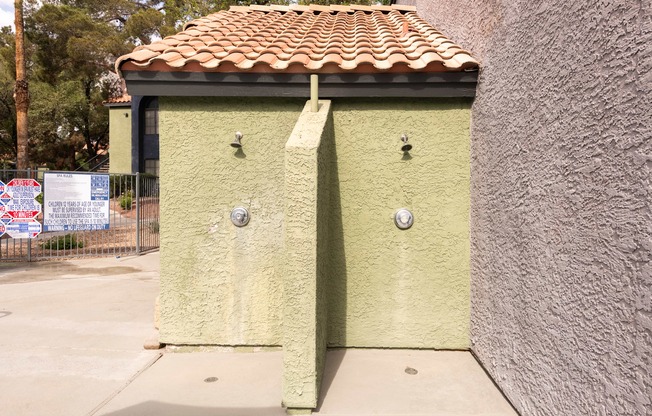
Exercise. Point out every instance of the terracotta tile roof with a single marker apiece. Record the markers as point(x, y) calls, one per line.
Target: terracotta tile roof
point(124, 99)
point(304, 39)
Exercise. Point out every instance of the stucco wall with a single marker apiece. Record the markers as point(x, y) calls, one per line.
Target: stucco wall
point(221, 284)
point(392, 287)
point(561, 219)
point(385, 287)
point(307, 191)
point(120, 140)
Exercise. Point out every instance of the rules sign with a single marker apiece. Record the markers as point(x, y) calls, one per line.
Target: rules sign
point(75, 201)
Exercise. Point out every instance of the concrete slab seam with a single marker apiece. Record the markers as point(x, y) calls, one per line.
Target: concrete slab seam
point(124, 386)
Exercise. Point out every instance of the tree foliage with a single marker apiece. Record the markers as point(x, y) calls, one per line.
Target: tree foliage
point(7, 105)
point(75, 47)
point(71, 48)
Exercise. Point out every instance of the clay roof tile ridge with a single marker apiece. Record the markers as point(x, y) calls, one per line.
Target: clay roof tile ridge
point(305, 39)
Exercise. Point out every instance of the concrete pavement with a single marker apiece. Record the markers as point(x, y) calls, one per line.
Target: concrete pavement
point(71, 333)
point(356, 383)
point(71, 342)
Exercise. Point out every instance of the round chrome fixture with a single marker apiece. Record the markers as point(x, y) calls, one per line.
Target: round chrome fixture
point(240, 217)
point(237, 143)
point(403, 219)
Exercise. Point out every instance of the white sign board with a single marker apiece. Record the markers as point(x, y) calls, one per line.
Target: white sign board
point(75, 201)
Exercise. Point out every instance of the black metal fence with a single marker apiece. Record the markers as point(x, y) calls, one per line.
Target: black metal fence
point(133, 222)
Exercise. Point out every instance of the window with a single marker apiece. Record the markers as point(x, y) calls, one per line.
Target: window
point(152, 166)
point(148, 136)
point(151, 121)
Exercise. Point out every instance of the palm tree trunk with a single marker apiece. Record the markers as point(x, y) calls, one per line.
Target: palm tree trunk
point(21, 91)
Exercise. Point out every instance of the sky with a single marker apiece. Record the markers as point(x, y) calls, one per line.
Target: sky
point(7, 13)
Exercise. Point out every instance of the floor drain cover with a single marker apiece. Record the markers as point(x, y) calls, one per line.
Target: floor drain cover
point(210, 380)
point(411, 371)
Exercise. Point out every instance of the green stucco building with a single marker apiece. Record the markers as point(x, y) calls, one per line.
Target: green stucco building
point(321, 262)
point(120, 126)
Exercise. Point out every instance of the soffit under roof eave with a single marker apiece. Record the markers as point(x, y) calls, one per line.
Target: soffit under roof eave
point(117, 105)
point(206, 84)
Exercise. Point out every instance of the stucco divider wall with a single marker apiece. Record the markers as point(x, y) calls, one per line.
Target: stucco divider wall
point(220, 284)
point(307, 154)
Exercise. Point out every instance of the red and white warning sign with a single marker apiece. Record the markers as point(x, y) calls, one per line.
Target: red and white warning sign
point(23, 188)
point(18, 208)
point(23, 228)
point(23, 208)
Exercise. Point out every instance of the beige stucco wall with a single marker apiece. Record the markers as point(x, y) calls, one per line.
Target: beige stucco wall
point(391, 287)
point(307, 190)
point(385, 287)
point(120, 140)
point(221, 284)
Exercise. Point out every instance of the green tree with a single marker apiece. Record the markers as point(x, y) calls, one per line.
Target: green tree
point(178, 12)
point(8, 149)
point(72, 47)
point(53, 114)
point(75, 47)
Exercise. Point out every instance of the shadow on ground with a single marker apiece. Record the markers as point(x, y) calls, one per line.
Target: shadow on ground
point(50, 270)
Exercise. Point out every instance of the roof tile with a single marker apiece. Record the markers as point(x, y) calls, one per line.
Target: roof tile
point(123, 99)
point(308, 39)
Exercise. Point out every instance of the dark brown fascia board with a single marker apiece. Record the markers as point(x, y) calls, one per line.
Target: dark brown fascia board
point(111, 105)
point(213, 84)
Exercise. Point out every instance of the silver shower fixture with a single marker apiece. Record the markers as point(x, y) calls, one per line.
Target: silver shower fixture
point(403, 218)
point(237, 143)
point(240, 216)
point(406, 146)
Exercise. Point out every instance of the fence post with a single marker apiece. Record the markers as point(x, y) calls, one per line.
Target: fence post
point(137, 213)
point(29, 240)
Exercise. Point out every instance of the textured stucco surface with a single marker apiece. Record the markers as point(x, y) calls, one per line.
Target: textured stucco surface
point(120, 140)
point(561, 218)
point(221, 284)
point(377, 285)
point(306, 234)
point(391, 287)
